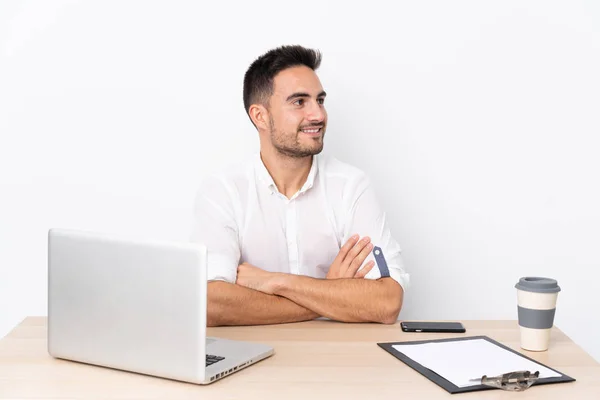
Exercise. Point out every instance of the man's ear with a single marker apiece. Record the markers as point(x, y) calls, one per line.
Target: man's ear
point(259, 116)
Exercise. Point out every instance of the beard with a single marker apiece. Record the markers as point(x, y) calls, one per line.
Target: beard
point(288, 144)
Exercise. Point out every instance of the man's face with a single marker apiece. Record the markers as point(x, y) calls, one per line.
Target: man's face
point(297, 116)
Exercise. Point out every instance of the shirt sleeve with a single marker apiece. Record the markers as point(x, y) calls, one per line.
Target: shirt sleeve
point(215, 226)
point(366, 218)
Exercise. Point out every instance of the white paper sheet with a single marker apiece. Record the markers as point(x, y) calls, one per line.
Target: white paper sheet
point(460, 361)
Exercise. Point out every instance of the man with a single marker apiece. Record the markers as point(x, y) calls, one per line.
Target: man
point(282, 229)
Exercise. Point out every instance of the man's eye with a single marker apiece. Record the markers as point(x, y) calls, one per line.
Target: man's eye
point(299, 102)
point(321, 101)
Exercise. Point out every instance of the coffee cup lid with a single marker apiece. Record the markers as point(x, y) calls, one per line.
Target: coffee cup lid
point(538, 284)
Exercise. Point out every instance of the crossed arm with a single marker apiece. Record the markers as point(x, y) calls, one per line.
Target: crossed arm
point(233, 304)
point(261, 297)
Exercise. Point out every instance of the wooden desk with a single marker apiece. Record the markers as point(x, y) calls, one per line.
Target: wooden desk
point(313, 360)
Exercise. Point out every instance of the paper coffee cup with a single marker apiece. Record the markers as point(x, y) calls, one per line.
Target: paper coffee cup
point(536, 304)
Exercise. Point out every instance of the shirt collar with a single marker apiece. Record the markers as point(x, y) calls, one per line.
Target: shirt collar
point(267, 180)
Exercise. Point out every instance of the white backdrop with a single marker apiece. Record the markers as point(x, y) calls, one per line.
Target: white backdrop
point(478, 122)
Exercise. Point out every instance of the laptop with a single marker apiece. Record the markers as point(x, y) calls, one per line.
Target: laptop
point(137, 306)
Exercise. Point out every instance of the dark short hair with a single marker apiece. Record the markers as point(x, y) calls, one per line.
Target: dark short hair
point(258, 80)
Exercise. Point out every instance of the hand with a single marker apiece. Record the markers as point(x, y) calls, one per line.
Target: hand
point(349, 259)
point(255, 278)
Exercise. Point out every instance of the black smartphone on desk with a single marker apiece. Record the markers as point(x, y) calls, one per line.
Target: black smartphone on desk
point(417, 326)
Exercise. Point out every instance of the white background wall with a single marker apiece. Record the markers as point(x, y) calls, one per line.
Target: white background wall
point(478, 122)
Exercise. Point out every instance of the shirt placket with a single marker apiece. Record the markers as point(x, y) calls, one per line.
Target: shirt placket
point(291, 235)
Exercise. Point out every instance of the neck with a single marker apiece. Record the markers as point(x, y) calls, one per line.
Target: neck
point(288, 173)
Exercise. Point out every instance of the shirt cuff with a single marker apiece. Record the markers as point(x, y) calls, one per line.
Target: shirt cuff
point(219, 269)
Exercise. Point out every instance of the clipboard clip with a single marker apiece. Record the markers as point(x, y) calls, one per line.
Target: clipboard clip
point(516, 381)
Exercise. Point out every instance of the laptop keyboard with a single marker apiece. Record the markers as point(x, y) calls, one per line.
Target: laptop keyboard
point(210, 359)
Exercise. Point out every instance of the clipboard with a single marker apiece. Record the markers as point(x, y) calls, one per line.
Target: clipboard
point(449, 386)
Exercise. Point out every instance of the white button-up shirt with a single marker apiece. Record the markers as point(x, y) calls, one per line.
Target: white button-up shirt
point(241, 217)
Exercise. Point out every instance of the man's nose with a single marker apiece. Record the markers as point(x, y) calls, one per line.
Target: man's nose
point(316, 112)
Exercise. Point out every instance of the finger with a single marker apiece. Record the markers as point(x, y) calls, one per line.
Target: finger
point(359, 259)
point(361, 273)
point(350, 243)
point(352, 254)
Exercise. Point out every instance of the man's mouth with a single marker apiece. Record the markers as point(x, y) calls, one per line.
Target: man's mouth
point(313, 130)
